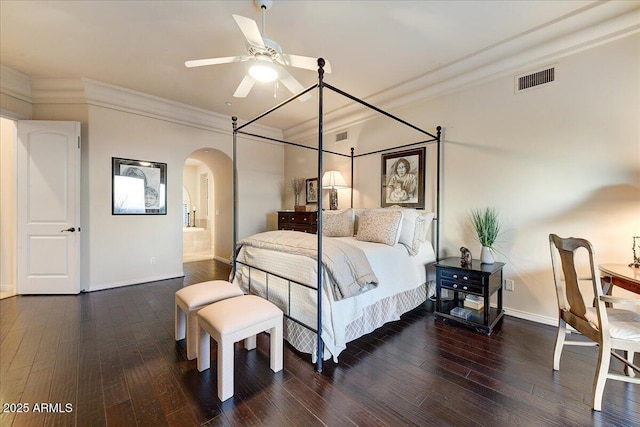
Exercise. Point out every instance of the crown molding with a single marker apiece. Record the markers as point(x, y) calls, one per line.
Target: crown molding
point(15, 84)
point(593, 26)
point(80, 90)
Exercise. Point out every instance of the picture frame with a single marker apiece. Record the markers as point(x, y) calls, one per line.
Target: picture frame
point(403, 187)
point(138, 187)
point(311, 185)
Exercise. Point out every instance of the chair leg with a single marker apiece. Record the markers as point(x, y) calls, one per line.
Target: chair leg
point(557, 351)
point(600, 379)
point(627, 369)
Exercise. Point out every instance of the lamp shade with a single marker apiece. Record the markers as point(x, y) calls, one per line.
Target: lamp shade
point(333, 179)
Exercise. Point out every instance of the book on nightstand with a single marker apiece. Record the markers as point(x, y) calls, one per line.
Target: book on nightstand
point(474, 302)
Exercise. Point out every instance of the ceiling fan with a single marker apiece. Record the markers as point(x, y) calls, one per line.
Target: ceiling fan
point(266, 57)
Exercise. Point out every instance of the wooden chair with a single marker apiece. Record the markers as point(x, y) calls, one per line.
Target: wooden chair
point(607, 327)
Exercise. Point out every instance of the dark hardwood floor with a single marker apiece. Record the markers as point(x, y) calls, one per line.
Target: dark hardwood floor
point(109, 358)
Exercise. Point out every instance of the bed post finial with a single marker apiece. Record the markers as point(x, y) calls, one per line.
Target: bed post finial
point(439, 129)
point(321, 65)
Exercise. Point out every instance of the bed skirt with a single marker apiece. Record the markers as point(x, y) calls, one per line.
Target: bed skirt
point(386, 310)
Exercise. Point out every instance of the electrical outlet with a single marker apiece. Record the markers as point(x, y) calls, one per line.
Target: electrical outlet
point(152, 260)
point(508, 284)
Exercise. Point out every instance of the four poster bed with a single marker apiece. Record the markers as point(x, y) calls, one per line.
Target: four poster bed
point(363, 268)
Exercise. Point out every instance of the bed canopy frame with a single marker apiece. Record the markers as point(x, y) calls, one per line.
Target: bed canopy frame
point(321, 85)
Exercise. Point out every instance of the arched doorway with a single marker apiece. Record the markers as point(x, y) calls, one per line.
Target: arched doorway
point(206, 212)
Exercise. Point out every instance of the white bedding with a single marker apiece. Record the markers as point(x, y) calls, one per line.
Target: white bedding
point(401, 287)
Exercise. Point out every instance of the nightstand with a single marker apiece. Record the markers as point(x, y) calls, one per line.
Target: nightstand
point(483, 280)
point(298, 221)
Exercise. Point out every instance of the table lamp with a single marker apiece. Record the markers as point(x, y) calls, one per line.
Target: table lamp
point(333, 180)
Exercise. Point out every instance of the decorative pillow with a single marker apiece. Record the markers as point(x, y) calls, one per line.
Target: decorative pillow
point(337, 223)
point(380, 226)
point(358, 215)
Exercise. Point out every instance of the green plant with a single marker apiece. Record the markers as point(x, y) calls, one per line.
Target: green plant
point(487, 226)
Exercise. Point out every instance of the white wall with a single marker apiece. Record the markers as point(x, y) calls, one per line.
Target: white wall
point(7, 205)
point(118, 250)
point(563, 158)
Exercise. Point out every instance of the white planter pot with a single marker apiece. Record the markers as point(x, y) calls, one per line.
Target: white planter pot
point(486, 256)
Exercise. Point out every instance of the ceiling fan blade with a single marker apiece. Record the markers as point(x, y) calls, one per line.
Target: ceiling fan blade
point(213, 61)
point(293, 85)
point(305, 62)
point(250, 30)
point(245, 87)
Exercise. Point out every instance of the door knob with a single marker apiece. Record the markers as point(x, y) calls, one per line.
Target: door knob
point(72, 229)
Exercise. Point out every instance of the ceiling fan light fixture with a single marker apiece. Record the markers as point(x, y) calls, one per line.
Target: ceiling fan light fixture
point(263, 73)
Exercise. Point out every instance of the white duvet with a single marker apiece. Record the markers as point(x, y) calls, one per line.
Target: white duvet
point(397, 272)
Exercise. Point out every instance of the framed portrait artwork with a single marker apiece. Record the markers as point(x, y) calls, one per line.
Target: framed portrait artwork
point(312, 190)
point(139, 187)
point(403, 178)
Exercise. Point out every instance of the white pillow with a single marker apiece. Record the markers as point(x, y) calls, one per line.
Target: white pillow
point(412, 231)
point(380, 226)
point(428, 219)
point(337, 223)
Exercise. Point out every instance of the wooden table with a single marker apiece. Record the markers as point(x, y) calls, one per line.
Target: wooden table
point(621, 275)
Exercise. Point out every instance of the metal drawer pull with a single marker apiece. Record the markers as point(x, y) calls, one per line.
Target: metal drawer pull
point(464, 287)
point(455, 276)
point(465, 278)
point(455, 285)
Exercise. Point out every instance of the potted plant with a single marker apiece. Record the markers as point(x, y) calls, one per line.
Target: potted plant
point(487, 226)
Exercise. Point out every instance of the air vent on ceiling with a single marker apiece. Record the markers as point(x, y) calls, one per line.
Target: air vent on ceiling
point(531, 80)
point(342, 136)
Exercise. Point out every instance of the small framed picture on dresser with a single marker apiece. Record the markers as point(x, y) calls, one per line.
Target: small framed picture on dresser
point(312, 190)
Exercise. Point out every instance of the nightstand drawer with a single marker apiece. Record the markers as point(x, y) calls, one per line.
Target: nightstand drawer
point(461, 277)
point(461, 286)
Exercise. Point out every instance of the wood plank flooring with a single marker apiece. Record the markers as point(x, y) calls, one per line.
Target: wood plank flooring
point(109, 358)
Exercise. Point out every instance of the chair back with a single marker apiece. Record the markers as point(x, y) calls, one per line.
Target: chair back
point(570, 298)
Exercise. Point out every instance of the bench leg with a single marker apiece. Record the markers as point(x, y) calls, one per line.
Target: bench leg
point(204, 353)
point(276, 351)
point(250, 342)
point(225, 369)
point(180, 320)
point(192, 335)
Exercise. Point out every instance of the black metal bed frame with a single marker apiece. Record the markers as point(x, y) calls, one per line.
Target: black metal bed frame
point(321, 85)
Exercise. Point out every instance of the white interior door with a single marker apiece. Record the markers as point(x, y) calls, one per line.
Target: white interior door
point(48, 207)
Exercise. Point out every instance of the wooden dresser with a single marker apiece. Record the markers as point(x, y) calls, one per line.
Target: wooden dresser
point(298, 221)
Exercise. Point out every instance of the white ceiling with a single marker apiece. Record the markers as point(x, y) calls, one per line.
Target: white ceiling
point(379, 50)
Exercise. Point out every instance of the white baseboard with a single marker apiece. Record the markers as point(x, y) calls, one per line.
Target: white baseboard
point(140, 281)
point(218, 258)
point(7, 287)
point(531, 316)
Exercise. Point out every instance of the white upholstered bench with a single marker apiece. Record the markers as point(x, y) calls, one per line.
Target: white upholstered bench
point(192, 298)
point(233, 320)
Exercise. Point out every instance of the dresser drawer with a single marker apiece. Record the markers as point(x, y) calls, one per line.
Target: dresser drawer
point(306, 218)
point(284, 218)
point(298, 221)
